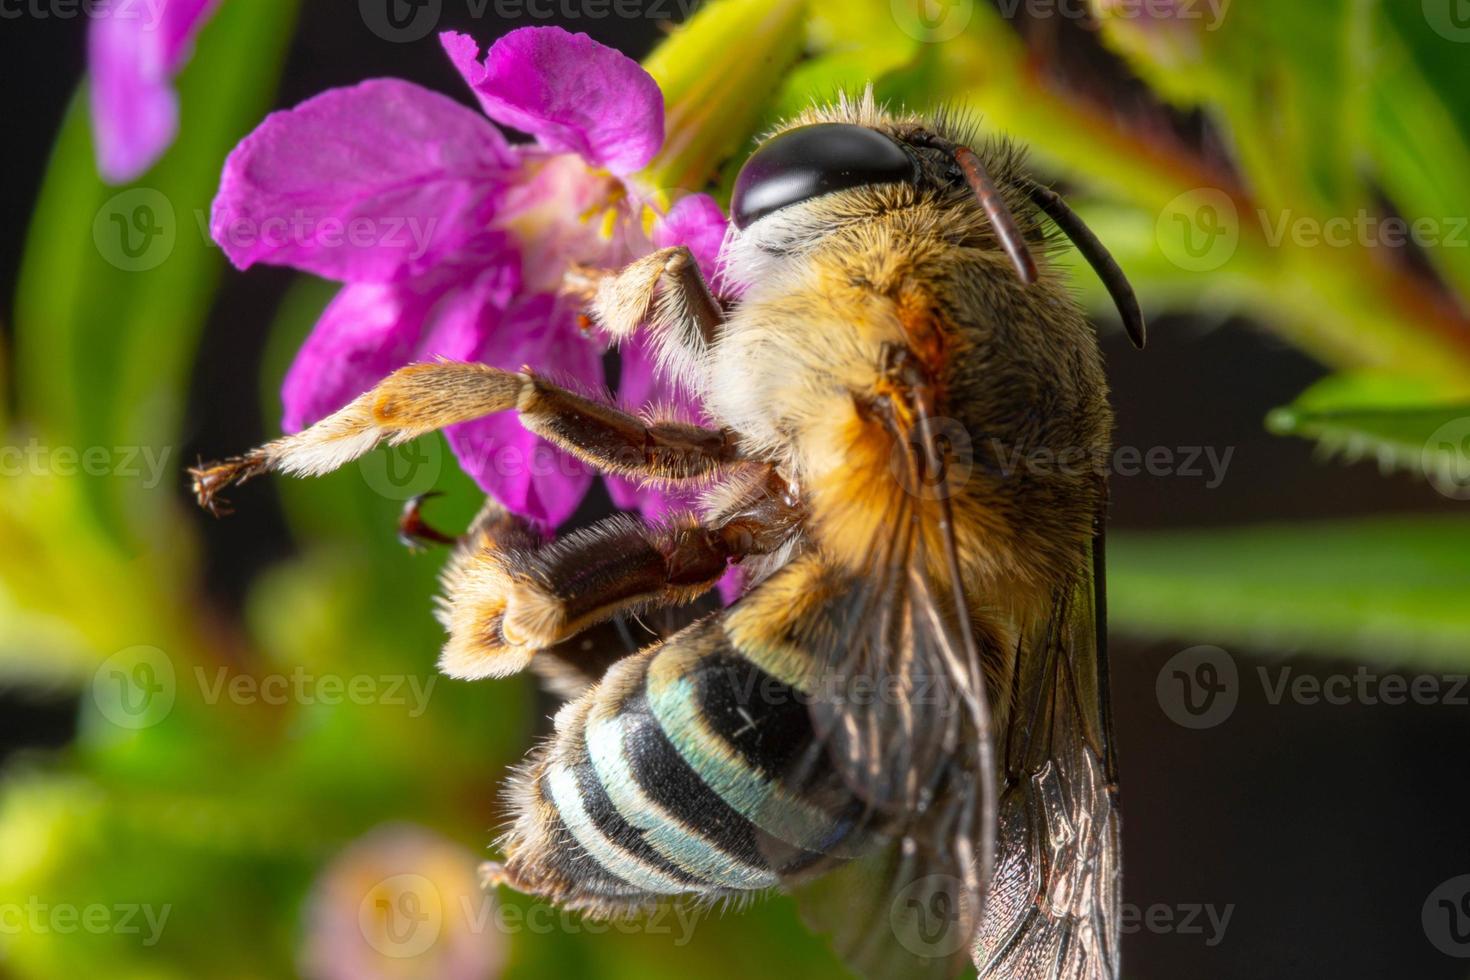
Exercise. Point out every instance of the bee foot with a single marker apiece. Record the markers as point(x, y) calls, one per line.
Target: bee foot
point(211, 478)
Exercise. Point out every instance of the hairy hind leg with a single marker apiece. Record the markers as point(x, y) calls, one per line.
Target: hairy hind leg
point(421, 398)
point(508, 594)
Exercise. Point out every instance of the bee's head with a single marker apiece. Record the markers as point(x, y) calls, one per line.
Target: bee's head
point(807, 162)
point(834, 167)
point(858, 234)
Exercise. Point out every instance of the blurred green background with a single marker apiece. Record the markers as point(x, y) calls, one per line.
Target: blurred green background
point(225, 741)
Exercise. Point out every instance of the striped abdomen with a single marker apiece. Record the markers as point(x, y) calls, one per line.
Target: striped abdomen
point(666, 779)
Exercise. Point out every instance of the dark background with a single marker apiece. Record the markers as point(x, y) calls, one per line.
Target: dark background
point(1325, 827)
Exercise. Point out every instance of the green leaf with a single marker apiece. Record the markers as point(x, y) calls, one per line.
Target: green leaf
point(93, 554)
point(1303, 95)
point(1420, 140)
point(1385, 419)
point(116, 282)
point(716, 87)
point(1389, 590)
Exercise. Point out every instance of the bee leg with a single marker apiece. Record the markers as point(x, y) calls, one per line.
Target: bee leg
point(414, 532)
point(476, 582)
point(501, 605)
point(421, 398)
point(665, 293)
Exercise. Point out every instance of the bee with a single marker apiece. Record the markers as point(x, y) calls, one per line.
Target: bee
point(904, 718)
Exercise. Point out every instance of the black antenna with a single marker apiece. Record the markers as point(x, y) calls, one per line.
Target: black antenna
point(1097, 256)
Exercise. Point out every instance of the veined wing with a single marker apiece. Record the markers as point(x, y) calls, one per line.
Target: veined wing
point(1052, 909)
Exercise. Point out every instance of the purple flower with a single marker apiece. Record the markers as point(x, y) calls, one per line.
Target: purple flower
point(451, 242)
point(135, 50)
point(396, 903)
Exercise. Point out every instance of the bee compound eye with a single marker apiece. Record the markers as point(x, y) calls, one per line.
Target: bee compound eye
point(810, 161)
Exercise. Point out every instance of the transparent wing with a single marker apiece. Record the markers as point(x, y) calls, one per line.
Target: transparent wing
point(901, 726)
point(1052, 908)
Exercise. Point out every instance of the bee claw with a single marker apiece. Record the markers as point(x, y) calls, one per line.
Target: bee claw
point(211, 478)
point(414, 532)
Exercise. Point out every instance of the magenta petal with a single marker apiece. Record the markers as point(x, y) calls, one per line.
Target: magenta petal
point(526, 474)
point(522, 471)
point(366, 332)
point(370, 329)
point(697, 221)
point(568, 91)
point(134, 52)
point(732, 585)
point(472, 314)
point(372, 183)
